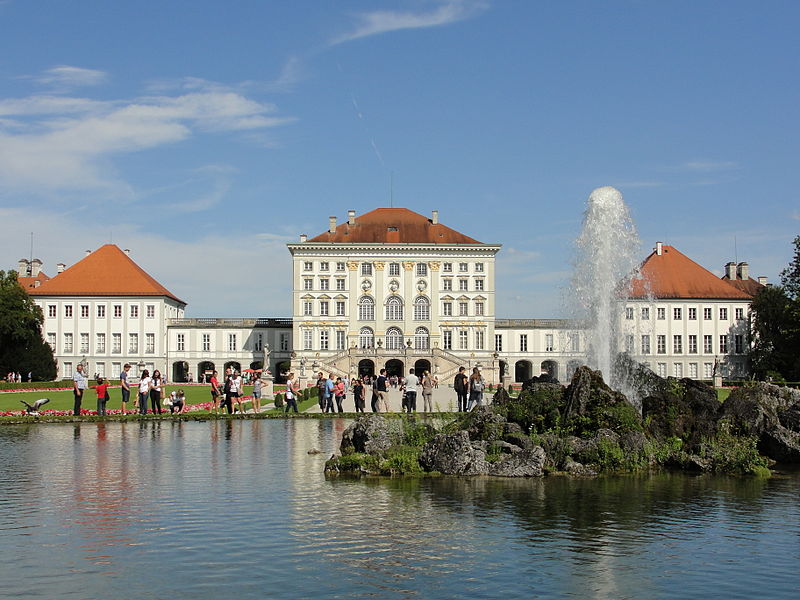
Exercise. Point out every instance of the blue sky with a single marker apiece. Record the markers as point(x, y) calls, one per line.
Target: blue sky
point(206, 135)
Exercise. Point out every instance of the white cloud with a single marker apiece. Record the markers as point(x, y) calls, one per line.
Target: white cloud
point(65, 76)
point(384, 21)
point(706, 166)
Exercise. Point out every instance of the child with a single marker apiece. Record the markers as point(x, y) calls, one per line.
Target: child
point(177, 402)
point(102, 395)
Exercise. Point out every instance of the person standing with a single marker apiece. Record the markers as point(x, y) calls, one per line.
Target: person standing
point(338, 392)
point(125, 386)
point(79, 384)
point(358, 394)
point(144, 391)
point(322, 384)
point(155, 392)
point(292, 388)
point(476, 386)
point(383, 391)
point(460, 385)
point(257, 395)
point(214, 391)
point(102, 396)
point(410, 386)
point(330, 386)
point(427, 392)
point(236, 390)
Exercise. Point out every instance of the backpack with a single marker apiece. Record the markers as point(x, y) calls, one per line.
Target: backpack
point(477, 385)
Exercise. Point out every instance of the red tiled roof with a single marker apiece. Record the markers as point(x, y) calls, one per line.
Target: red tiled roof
point(749, 286)
point(674, 275)
point(393, 226)
point(107, 271)
point(30, 282)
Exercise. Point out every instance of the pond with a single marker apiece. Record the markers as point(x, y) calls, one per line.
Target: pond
point(239, 509)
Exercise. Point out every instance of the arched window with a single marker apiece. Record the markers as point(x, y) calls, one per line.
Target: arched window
point(394, 309)
point(422, 309)
point(394, 339)
point(366, 309)
point(366, 338)
point(421, 339)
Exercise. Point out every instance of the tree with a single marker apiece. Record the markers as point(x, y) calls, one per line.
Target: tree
point(790, 276)
point(21, 345)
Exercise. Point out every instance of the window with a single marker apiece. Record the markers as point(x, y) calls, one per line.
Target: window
point(523, 342)
point(692, 344)
point(67, 342)
point(340, 339)
point(723, 344)
point(447, 339)
point(548, 342)
point(100, 343)
point(51, 339)
point(394, 339)
point(117, 311)
point(422, 270)
point(340, 284)
point(708, 344)
point(706, 314)
point(738, 341)
point(133, 343)
point(366, 309)
point(307, 333)
point(422, 309)
point(366, 339)
point(629, 313)
point(308, 283)
point(498, 342)
point(692, 316)
point(421, 339)
point(308, 266)
point(149, 343)
point(693, 370)
point(479, 309)
point(324, 283)
point(463, 285)
point(231, 342)
point(324, 266)
point(284, 341)
point(661, 344)
point(52, 311)
point(394, 309)
point(661, 314)
point(340, 308)
point(677, 369)
point(661, 369)
point(150, 311)
point(677, 344)
point(366, 269)
point(323, 339)
point(645, 313)
point(447, 267)
point(101, 311)
point(207, 342)
point(323, 308)
point(68, 370)
point(479, 267)
point(708, 370)
point(340, 267)
point(479, 339)
point(463, 309)
point(134, 311)
point(101, 369)
point(307, 308)
point(181, 342)
point(677, 314)
point(447, 284)
point(479, 285)
point(259, 345)
point(447, 309)
point(645, 344)
point(84, 343)
point(84, 311)
point(116, 343)
point(462, 339)
point(739, 314)
point(463, 267)
point(68, 311)
point(575, 342)
point(629, 344)
point(723, 314)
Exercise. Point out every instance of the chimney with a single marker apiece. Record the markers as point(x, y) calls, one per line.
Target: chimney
point(60, 267)
point(88, 252)
point(351, 217)
point(303, 238)
point(127, 251)
point(435, 217)
point(659, 248)
point(743, 270)
point(762, 280)
point(22, 267)
point(730, 271)
point(36, 267)
point(331, 224)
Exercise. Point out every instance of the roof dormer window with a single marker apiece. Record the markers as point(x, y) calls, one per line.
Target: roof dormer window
point(391, 229)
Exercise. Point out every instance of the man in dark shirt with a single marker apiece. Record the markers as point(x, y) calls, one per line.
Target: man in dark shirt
point(322, 385)
point(460, 386)
point(383, 392)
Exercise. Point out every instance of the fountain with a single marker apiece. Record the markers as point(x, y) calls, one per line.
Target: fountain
point(607, 256)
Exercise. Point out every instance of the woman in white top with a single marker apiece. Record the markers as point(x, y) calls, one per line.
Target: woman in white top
point(236, 391)
point(144, 391)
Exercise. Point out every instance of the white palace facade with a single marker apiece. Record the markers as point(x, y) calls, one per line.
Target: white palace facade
point(388, 289)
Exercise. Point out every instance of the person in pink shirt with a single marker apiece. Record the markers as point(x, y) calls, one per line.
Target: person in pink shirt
point(338, 393)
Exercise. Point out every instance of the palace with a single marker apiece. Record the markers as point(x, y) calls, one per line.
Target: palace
point(388, 289)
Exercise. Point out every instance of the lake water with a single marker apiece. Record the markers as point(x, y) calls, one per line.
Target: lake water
point(239, 509)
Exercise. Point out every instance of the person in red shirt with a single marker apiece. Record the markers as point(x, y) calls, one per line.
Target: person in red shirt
point(215, 392)
point(102, 395)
